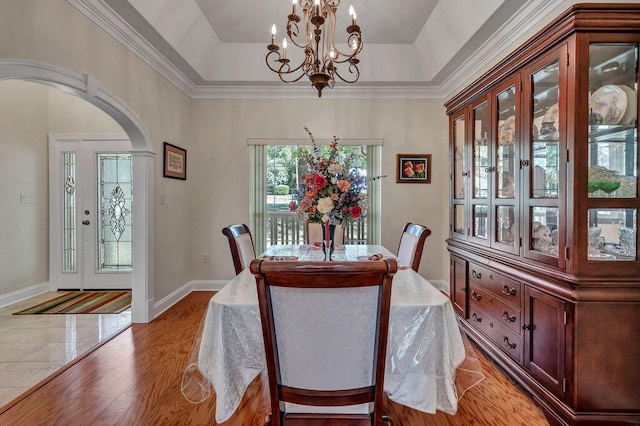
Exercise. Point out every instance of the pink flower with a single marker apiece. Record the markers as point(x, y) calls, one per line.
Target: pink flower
point(311, 193)
point(343, 185)
point(320, 181)
point(312, 210)
point(309, 179)
point(334, 197)
point(355, 211)
point(292, 206)
point(408, 165)
point(408, 172)
point(419, 168)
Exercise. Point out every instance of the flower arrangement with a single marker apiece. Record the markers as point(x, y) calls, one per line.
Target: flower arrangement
point(332, 191)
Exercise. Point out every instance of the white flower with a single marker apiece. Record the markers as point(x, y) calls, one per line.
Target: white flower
point(334, 168)
point(334, 180)
point(325, 205)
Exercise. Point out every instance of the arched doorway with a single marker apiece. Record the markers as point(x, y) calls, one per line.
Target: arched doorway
point(90, 89)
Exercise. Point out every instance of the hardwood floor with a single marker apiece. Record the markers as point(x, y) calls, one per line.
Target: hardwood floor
point(134, 379)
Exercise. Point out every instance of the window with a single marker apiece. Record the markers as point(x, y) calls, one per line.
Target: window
point(277, 169)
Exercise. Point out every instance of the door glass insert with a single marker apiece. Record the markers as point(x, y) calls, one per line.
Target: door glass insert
point(612, 234)
point(544, 230)
point(506, 165)
point(458, 219)
point(115, 196)
point(613, 139)
point(480, 151)
point(505, 217)
point(69, 234)
point(545, 132)
point(480, 221)
point(459, 160)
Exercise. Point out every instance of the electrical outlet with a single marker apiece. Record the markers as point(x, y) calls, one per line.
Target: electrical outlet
point(205, 258)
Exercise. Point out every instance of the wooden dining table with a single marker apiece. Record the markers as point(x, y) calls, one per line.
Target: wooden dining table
point(424, 349)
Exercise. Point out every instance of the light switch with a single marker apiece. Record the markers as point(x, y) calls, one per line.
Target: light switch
point(27, 198)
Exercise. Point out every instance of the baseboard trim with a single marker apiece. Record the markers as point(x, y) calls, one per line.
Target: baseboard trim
point(22, 294)
point(179, 294)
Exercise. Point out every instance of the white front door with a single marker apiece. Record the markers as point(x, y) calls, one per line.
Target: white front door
point(90, 212)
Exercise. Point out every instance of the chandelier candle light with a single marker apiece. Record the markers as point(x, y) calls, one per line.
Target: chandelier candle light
point(314, 32)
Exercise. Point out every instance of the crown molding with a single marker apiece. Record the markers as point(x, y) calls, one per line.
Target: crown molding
point(528, 16)
point(307, 92)
point(103, 16)
point(494, 48)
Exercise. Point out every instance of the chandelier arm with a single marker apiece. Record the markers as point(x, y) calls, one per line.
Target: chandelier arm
point(286, 69)
point(293, 32)
point(351, 68)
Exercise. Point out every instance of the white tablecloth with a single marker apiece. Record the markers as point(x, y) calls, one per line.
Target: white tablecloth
point(425, 346)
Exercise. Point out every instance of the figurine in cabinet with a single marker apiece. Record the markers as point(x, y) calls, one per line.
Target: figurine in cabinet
point(541, 237)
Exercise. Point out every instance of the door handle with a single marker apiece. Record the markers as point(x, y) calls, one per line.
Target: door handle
point(85, 222)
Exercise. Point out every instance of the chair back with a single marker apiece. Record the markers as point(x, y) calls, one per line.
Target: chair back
point(241, 245)
point(315, 233)
point(412, 244)
point(325, 328)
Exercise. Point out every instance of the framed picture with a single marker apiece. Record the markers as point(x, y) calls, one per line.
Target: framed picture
point(413, 168)
point(175, 162)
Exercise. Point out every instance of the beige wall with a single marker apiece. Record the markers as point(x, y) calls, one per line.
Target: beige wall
point(55, 33)
point(221, 191)
point(24, 252)
point(28, 113)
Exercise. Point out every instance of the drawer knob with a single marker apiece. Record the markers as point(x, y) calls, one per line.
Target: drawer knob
point(506, 317)
point(475, 274)
point(476, 318)
point(507, 291)
point(527, 327)
point(509, 345)
point(475, 296)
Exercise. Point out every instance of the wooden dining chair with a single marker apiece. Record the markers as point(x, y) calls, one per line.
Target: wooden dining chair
point(315, 233)
point(325, 328)
point(241, 245)
point(412, 244)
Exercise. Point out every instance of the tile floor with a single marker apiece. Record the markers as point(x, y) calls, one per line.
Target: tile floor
point(34, 346)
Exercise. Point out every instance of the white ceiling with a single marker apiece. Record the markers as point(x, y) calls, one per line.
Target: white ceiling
point(412, 48)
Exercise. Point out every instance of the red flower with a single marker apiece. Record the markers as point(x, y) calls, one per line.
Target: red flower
point(355, 211)
point(408, 165)
point(320, 181)
point(292, 206)
point(408, 172)
point(419, 168)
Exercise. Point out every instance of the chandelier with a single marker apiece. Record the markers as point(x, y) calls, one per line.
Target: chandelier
point(313, 32)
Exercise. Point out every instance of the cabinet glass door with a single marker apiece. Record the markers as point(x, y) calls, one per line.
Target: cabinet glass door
point(612, 183)
point(505, 226)
point(545, 162)
point(481, 169)
point(460, 174)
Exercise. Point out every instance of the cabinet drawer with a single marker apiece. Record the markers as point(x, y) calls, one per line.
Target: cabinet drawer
point(502, 336)
point(495, 306)
point(509, 289)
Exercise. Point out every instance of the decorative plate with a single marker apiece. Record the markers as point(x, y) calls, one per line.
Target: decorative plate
point(630, 115)
point(610, 103)
point(552, 116)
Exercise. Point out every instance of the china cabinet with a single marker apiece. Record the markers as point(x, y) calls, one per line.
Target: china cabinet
point(545, 272)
